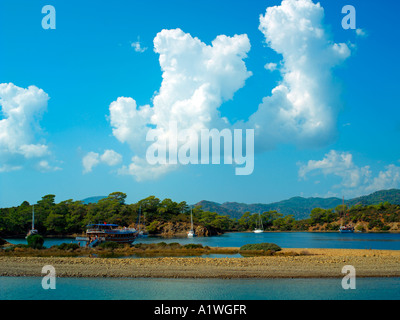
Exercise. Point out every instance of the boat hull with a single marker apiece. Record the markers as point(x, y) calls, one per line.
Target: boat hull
point(123, 240)
point(107, 233)
point(31, 233)
point(346, 231)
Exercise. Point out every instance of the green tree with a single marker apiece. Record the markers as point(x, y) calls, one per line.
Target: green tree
point(35, 241)
point(243, 221)
point(55, 223)
point(285, 223)
point(118, 196)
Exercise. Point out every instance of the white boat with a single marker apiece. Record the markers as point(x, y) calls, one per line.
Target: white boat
point(191, 232)
point(142, 234)
point(33, 231)
point(259, 227)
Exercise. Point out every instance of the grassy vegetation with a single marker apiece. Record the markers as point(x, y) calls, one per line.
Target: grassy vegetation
point(261, 246)
point(112, 249)
point(265, 248)
point(35, 241)
point(140, 250)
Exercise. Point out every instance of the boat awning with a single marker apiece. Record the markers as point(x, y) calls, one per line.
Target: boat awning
point(102, 225)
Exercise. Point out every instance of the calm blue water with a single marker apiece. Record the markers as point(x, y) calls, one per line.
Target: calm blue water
point(383, 241)
point(17, 288)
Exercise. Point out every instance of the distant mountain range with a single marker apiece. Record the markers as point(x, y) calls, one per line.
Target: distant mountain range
point(298, 206)
point(93, 199)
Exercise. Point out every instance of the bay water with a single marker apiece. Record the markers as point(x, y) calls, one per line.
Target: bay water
point(30, 288)
point(333, 240)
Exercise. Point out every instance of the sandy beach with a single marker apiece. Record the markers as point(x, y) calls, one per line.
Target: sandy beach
point(315, 263)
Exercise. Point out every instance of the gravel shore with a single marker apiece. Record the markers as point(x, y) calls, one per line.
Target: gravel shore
point(314, 263)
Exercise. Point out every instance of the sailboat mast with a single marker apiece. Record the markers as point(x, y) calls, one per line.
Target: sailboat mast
point(140, 212)
point(191, 218)
point(33, 217)
point(343, 205)
point(342, 215)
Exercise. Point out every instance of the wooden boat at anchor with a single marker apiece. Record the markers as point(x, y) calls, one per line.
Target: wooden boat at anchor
point(102, 232)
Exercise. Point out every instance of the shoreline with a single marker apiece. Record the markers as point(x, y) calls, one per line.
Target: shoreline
point(312, 263)
point(184, 235)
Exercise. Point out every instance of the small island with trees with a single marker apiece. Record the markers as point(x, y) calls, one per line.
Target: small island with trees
point(169, 218)
point(170, 260)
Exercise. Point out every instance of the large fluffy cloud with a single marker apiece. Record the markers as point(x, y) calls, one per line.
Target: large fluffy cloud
point(302, 108)
point(197, 79)
point(21, 110)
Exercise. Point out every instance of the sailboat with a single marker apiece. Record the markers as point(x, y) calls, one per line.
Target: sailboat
point(191, 233)
point(33, 231)
point(259, 227)
point(345, 228)
point(142, 233)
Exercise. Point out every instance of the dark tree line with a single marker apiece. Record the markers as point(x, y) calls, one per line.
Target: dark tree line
point(71, 217)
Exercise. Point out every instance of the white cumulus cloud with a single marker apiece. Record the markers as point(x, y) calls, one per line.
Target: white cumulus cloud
point(141, 170)
point(111, 158)
point(89, 161)
point(21, 111)
point(197, 79)
point(303, 107)
point(44, 166)
point(361, 33)
point(92, 159)
point(271, 66)
point(355, 180)
point(137, 46)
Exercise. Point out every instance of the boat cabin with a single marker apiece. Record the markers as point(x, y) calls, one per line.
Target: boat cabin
point(110, 232)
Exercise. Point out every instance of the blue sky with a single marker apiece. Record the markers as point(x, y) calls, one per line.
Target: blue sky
point(89, 61)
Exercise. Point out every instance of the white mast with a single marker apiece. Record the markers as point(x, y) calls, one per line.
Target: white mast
point(33, 217)
point(140, 212)
point(191, 232)
point(259, 229)
point(191, 219)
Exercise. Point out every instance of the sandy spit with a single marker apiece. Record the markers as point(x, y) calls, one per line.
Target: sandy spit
point(316, 263)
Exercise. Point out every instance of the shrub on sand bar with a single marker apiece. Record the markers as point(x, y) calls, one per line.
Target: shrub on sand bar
point(261, 246)
point(35, 241)
point(68, 246)
point(110, 245)
point(193, 246)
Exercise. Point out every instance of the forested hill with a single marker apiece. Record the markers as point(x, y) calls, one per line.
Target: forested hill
point(298, 206)
point(92, 199)
point(392, 196)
